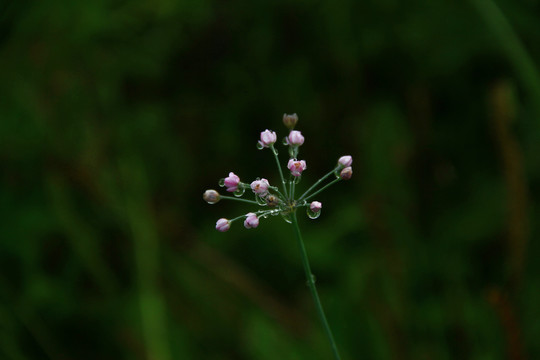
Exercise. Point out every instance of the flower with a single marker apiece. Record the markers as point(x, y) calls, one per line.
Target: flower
point(295, 138)
point(252, 221)
point(345, 161)
point(346, 173)
point(211, 196)
point(296, 166)
point(232, 182)
point(223, 225)
point(260, 187)
point(268, 138)
point(315, 206)
point(290, 120)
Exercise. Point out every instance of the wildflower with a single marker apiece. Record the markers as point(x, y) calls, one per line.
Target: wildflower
point(223, 225)
point(290, 120)
point(345, 161)
point(295, 138)
point(315, 206)
point(346, 173)
point(232, 182)
point(211, 196)
point(296, 167)
point(267, 138)
point(260, 187)
point(252, 221)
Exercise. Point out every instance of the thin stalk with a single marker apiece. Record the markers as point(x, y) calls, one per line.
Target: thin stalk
point(279, 168)
point(317, 183)
point(510, 42)
point(237, 199)
point(324, 187)
point(312, 288)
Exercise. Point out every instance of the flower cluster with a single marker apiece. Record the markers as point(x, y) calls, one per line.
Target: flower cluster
point(273, 199)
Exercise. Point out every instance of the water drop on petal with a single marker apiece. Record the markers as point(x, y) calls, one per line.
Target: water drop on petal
point(221, 182)
point(260, 146)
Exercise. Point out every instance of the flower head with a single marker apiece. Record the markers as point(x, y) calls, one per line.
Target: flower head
point(260, 187)
point(211, 196)
point(231, 182)
point(223, 225)
point(252, 221)
point(267, 138)
point(295, 138)
point(296, 166)
point(315, 206)
point(345, 161)
point(290, 120)
point(346, 173)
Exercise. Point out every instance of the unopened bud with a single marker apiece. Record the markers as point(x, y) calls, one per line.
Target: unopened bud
point(346, 173)
point(211, 196)
point(290, 120)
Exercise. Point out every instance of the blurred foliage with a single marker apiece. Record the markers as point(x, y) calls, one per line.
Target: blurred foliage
point(116, 115)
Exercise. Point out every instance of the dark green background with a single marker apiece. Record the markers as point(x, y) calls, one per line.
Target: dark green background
point(115, 116)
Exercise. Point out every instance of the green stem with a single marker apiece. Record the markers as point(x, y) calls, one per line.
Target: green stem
point(312, 288)
point(238, 199)
point(279, 168)
point(510, 42)
point(317, 183)
point(324, 187)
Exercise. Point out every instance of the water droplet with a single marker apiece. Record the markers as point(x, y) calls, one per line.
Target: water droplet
point(312, 280)
point(221, 182)
point(285, 141)
point(239, 192)
point(286, 216)
point(274, 150)
point(260, 146)
point(260, 200)
point(311, 214)
point(337, 173)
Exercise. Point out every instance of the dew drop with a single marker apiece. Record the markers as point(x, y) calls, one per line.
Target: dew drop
point(311, 214)
point(287, 217)
point(221, 182)
point(260, 146)
point(337, 173)
point(274, 150)
point(239, 192)
point(285, 141)
point(260, 200)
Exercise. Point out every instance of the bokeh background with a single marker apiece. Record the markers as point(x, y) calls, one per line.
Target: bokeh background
point(115, 116)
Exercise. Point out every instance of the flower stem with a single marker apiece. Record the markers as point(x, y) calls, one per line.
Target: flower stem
point(317, 183)
point(279, 168)
point(312, 288)
point(324, 187)
point(238, 199)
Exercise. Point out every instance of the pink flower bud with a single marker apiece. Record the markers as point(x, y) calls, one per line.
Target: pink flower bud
point(232, 182)
point(267, 138)
point(315, 206)
point(252, 221)
point(260, 187)
point(295, 138)
point(346, 173)
point(223, 225)
point(290, 120)
point(345, 161)
point(296, 166)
